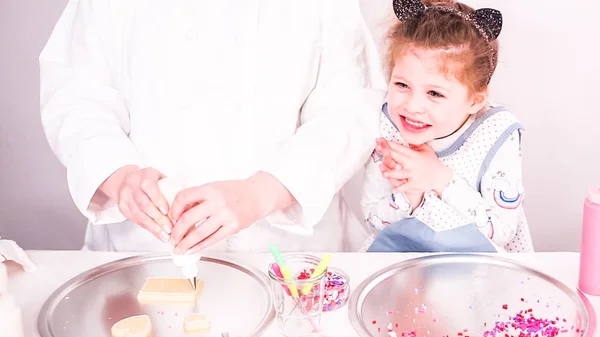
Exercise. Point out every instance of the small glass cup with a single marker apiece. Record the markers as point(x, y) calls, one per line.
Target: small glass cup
point(298, 302)
point(337, 289)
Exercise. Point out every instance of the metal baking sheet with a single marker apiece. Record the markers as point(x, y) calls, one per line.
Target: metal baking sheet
point(236, 299)
point(464, 295)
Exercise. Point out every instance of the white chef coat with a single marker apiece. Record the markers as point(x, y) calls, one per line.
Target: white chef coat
point(210, 90)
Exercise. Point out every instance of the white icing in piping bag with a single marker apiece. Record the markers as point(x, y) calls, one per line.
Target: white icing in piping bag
point(188, 263)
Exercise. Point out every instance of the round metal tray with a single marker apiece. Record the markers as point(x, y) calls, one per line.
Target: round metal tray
point(465, 295)
point(236, 299)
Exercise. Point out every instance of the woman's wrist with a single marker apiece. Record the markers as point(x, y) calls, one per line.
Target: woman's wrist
point(269, 194)
point(112, 185)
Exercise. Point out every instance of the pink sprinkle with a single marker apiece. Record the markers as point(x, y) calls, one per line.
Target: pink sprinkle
point(526, 325)
point(389, 313)
point(374, 322)
point(418, 310)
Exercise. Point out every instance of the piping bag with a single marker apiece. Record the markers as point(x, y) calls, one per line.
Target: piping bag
point(188, 263)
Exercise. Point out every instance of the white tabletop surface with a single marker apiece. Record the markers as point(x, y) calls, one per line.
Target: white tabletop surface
point(57, 267)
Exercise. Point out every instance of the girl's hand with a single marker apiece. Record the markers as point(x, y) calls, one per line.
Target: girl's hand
point(415, 169)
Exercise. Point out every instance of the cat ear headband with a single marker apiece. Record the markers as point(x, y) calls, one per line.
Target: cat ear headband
point(487, 21)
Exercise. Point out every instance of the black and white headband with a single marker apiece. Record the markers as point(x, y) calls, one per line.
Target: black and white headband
point(487, 21)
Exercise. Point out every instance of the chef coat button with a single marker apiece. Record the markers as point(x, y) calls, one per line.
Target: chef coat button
point(233, 241)
point(191, 35)
point(185, 105)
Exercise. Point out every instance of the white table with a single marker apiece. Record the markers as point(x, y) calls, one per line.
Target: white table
point(57, 267)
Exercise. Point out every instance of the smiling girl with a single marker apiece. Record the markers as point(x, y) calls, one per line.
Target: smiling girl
point(446, 173)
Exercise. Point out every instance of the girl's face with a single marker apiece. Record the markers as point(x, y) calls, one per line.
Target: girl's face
point(425, 102)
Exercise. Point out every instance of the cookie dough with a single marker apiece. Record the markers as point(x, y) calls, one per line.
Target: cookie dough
point(195, 323)
point(135, 326)
point(158, 289)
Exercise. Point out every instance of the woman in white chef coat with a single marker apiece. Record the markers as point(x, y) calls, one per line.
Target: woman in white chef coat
point(265, 109)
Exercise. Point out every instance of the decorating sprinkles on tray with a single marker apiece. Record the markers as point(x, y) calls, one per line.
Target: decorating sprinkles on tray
point(522, 324)
point(525, 324)
point(337, 288)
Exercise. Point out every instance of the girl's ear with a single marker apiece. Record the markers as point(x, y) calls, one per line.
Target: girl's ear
point(478, 101)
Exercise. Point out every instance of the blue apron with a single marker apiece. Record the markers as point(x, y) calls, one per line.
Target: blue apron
point(412, 235)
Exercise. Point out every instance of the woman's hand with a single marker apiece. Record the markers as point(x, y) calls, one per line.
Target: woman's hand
point(139, 198)
point(206, 214)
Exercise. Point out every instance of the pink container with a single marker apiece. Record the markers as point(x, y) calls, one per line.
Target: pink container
point(589, 263)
